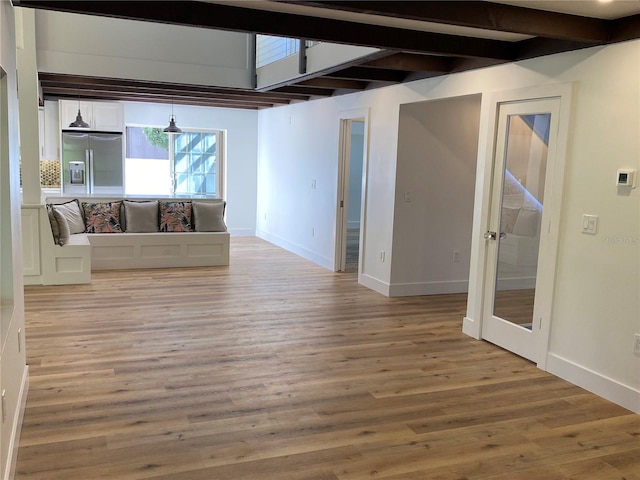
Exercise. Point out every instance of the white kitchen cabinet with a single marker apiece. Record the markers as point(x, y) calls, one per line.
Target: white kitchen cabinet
point(49, 131)
point(101, 116)
point(108, 117)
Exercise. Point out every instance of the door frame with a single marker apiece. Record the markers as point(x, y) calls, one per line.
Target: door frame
point(342, 189)
point(472, 323)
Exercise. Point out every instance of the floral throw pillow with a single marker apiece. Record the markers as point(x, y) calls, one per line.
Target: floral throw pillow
point(102, 217)
point(175, 216)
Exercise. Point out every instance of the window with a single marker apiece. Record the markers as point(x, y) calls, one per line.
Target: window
point(188, 164)
point(270, 49)
point(195, 163)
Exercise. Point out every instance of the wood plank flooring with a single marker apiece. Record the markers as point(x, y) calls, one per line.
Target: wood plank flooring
point(276, 369)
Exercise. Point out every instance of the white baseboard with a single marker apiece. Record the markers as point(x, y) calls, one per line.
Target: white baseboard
point(14, 442)
point(242, 232)
point(612, 390)
point(32, 279)
point(297, 249)
point(428, 288)
point(470, 327)
point(374, 284)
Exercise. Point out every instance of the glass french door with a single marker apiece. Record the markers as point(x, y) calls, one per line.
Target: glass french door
point(524, 152)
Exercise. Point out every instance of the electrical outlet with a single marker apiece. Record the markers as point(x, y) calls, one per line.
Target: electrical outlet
point(382, 255)
point(455, 257)
point(636, 345)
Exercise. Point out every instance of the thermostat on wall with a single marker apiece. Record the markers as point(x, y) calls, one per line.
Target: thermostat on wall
point(626, 177)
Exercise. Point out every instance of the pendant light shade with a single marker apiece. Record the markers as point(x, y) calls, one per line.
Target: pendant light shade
point(79, 122)
point(172, 128)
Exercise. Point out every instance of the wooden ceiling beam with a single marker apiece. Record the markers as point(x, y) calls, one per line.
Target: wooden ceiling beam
point(333, 83)
point(538, 47)
point(142, 97)
point(481, 14)
point(307, 90)
point(132, 97)
point(167, 96)
point(410, 62)
point(167, 89)
point(464, 64)
point(625, 29)
point(369, 74)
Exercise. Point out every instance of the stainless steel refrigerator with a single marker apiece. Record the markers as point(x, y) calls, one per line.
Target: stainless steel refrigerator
point(92, 163)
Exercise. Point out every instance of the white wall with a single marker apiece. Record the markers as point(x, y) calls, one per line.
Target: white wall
point(435, 179)
point(131, 49)
point(295, 151)
point(13, 369)
point(596, 309)
point(241, 151)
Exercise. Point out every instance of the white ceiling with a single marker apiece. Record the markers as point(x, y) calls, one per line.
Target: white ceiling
point(608, 10)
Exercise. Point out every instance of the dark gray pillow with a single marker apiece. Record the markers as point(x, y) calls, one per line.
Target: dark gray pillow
point(72, 214)
point(55, 229)
point(209, 217)
point(63, 227)
point(141, 217)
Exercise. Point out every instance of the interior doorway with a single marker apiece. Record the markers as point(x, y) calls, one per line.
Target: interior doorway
point(351, 192)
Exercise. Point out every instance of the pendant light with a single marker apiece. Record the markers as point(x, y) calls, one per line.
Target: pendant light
point(79, 122)
point(172, 128)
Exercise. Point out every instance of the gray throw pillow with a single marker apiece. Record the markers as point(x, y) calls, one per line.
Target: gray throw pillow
point(55, 229)
point(141, 217)
point(72, 214)
point(209, 217)
point(63, 227)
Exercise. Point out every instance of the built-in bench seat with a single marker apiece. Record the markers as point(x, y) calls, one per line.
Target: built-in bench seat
point(65, 264)
point(84, 252)
point(158, 250)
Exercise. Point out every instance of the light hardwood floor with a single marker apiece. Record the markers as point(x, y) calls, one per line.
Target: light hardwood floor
point(276, 369)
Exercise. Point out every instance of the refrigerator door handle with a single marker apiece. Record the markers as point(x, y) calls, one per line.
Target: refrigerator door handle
point(90, 165)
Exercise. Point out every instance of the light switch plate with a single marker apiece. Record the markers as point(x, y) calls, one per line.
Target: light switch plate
point(589, 224)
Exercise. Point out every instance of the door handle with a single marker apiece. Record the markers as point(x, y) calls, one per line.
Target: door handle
point(490, 235)
point(503, 235)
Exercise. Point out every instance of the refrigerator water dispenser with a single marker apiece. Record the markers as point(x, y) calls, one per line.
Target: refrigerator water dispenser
point(76, 173)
